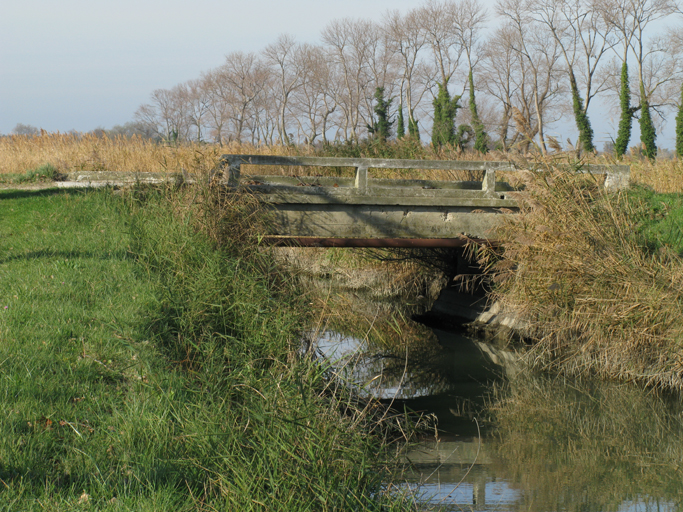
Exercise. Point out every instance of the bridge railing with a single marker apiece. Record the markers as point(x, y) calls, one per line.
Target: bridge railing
point(617, 176)
point(363, 210)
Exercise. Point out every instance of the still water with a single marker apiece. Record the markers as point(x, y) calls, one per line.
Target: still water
point(507, 440)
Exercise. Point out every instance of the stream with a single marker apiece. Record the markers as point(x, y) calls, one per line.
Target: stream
point(507, 439)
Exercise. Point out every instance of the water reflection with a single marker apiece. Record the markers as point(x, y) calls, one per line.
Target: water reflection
point(435, 364)
point(586, 445)
point(508, 441)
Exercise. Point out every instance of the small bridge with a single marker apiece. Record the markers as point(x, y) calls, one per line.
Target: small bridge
point(367, 212)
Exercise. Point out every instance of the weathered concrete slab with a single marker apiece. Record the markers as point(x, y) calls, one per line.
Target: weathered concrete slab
point(365, 208)
point(382, 221)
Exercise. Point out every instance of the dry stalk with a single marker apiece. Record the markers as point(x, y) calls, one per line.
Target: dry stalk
point(596, 300)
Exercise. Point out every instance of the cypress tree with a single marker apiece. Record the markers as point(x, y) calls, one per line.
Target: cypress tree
point(624, 133)
point(582, 121)
point(445, 110)
point(480, 136)
point(679, 128)
point(647, 129)
point(400, 128)
point(382, 126)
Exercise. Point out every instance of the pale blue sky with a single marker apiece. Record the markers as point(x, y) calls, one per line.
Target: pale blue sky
point(77, 64)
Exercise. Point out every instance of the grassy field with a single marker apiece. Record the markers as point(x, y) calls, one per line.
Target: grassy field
point(147, 364)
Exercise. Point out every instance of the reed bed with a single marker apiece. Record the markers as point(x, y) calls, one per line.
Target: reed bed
point(74, 152)
point(599, 296)
point(87, 152)
point(69, 153)
point(663, 176)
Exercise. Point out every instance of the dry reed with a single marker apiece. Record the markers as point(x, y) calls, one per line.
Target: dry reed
point(72, 153)
point(598, 302)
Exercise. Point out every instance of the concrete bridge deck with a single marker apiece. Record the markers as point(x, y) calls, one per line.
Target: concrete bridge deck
point(364, 211)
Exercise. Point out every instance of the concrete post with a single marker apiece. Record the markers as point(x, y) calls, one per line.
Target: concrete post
point(233, 173)
point(617, 180)
point(362, 179)
point(488, 185)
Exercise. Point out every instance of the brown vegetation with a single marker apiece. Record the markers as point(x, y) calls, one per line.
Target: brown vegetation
point(71, 153)
point(598, 302)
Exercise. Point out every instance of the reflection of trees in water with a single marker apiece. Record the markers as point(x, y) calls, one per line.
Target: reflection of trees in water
point(575, 445)
point(382, 374)
point(392, 356)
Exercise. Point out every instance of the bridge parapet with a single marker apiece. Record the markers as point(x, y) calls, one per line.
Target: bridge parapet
point(362, 210)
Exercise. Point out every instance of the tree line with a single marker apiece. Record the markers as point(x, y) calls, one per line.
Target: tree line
point(446, 72)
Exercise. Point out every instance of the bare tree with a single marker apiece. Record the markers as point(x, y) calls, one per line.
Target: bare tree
point(349, 45)
point(499, 64)
point(470, 18)
point(539, 53)
point(314, 102)
point(219, 101)
point(407, 38)
point(584, 37)
point(439, 20)
point(25, 129)
point(285, 58)
point(235, 87)
point(196, 96)
point(167, 114)
point(384, 67)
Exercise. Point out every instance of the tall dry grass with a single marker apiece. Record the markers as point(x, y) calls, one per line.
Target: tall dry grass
point(74, 153)
point(576, 266)
point(664, 176)
point(71, 153)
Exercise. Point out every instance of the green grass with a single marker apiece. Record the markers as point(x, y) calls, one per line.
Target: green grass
point(46, 172)
point(662, 219)
point(142, 368)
